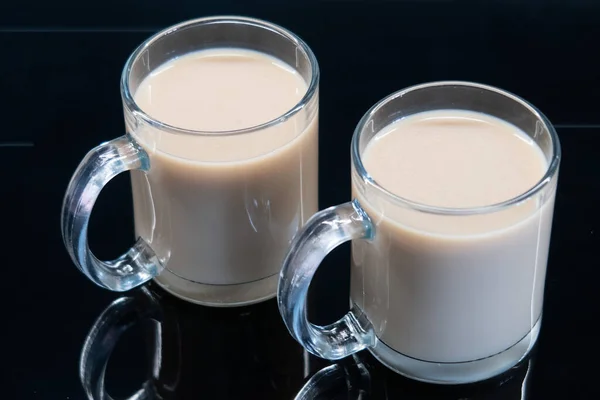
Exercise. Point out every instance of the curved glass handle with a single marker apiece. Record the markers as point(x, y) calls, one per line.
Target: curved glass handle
point(117, 318)
point(322, 233)
point(98, 167)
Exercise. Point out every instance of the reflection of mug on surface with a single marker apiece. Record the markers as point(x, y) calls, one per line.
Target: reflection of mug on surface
point(198, 352)
point(453, 187)
point(361, 377)
point(222, 143)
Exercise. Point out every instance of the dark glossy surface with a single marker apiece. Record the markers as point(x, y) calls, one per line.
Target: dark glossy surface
point(60, 97)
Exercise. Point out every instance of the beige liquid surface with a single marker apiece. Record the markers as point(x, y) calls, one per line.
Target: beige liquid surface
point(452, 288)
point(220, 209)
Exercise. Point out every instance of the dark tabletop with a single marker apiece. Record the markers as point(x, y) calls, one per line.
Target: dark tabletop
point(59, 97)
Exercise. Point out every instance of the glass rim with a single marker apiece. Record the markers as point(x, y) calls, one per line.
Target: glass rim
point(551, 170)
point(133, 107)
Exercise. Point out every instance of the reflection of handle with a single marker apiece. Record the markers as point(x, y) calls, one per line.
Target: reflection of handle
point(352, 379)
point(118, 317)
point(98, 167)
point(322, 233)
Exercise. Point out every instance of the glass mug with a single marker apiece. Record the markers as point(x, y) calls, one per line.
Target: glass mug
point(214, 227)
point(472, 309)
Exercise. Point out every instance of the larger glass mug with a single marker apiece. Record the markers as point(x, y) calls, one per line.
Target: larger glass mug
point(472, 309)
point(212, 228)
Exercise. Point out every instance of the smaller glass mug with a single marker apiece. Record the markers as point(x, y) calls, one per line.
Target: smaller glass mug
point(472, 309)
point(212, 228)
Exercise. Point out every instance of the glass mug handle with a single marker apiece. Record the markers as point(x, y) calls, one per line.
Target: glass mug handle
point(325, 230)
point(100, 165)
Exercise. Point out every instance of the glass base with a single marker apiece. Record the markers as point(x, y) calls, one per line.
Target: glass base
point(242, 294)
point(460, 372)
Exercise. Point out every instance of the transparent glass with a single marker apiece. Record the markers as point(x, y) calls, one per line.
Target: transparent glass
point(436, 306)
point(213, 226)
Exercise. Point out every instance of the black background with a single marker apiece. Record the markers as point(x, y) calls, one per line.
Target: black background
point(59, 97)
